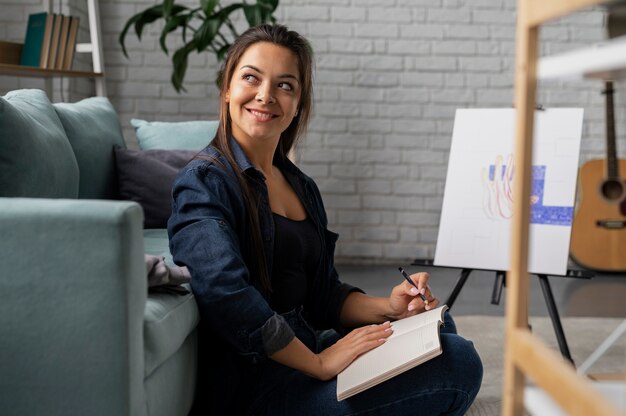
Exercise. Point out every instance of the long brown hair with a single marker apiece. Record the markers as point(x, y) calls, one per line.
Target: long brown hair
point(281, 36)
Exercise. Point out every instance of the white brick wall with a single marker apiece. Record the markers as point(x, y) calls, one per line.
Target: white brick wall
point(389, 76)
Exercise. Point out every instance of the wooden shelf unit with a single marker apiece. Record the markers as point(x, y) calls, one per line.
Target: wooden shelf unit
point(94, 47)
point(526, 354)
point(604, 60)
point(30, 71)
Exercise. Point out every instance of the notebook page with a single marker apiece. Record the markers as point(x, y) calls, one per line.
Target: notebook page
point(407, 324)
point(392, 355)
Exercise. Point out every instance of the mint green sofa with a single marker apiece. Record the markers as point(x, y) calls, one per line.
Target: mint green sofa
point(79, 332)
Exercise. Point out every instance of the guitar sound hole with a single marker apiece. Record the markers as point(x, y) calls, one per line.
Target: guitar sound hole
point(612, 190)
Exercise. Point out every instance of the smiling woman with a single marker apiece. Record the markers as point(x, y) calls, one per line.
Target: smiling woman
point(252, 229)
point(263, 98)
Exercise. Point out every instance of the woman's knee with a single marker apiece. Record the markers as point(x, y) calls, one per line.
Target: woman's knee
point(449, 326)
point(464, 361)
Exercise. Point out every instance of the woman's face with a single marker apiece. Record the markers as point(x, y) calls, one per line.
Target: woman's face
point(264, 92)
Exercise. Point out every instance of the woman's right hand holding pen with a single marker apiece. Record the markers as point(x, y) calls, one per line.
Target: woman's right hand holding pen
point(412, 296)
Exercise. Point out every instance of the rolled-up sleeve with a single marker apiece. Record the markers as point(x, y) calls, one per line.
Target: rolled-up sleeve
point(206, 212)
point(276, 334)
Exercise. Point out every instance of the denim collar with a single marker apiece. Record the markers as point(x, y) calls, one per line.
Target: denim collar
point(245, 164)
point(240, 157)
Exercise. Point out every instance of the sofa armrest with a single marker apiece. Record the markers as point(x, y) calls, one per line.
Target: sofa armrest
point(73, 289)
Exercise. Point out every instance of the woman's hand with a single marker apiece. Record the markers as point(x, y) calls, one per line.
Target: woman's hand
point(359, 341)
point(405, 301)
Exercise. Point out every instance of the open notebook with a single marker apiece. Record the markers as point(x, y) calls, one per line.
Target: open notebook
point(414, 340)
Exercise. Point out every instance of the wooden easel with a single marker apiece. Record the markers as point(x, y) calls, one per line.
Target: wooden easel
point(496, 295)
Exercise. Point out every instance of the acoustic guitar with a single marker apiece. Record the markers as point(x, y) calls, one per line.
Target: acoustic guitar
point(599, 227)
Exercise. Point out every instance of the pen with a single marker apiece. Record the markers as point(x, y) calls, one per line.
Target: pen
point(408, 279)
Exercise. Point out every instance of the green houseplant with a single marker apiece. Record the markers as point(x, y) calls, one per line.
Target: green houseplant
point(208, 27)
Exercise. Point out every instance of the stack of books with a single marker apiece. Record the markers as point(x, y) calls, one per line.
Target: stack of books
point(50, 41)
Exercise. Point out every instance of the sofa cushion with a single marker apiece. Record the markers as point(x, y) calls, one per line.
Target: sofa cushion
point(188, 135)
point(93, 128)
point(36, 159)
point(170, 390)
point(168, 320)
point(146, 177)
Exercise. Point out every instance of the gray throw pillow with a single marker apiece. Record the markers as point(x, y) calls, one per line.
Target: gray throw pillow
point(146, 177)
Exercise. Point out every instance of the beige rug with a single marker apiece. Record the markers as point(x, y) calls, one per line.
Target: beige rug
point(583, 336)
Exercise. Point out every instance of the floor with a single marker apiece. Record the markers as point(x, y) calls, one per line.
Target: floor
point(601, 295)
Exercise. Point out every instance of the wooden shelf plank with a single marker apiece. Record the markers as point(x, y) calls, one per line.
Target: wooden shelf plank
point(541, 11)
point(526, 356)
point(29, 71)
point(605, 60)
point(556, 376)
point(538, 402)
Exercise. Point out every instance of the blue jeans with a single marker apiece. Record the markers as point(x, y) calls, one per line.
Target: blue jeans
point(445, 385)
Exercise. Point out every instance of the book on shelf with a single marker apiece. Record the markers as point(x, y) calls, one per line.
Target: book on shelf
point(414, 341)
point(65, 29)
point(33, 41)
point(45, 45)
point(54, 41)
point(70, 48)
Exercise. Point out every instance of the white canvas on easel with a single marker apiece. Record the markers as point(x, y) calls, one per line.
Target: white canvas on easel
point(474, 231)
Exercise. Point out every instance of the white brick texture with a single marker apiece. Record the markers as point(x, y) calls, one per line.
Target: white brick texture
point(389, 76)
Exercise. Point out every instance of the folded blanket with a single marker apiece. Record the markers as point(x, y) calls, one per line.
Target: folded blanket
point(165, 278)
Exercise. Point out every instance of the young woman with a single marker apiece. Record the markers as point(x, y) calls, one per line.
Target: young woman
point(251, 228)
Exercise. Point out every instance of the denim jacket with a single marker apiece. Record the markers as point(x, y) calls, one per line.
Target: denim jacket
point(206, 231)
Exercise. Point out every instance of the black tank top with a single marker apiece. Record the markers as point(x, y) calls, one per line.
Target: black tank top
point(297, 249)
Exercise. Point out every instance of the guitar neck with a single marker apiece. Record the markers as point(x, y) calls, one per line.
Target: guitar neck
point(611, 147)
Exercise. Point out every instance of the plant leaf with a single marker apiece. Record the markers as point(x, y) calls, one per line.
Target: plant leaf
point(253, 14)
point(271, 5)
point(226, 11)
point(177, 8)
point(206, 33)
point(180, 61)
point(148, 16)
point(167, 7)
point(152, 14)
point(122, 36)
point(185, 33)
point(173, 23)
point(264, 10)
point(208, 6)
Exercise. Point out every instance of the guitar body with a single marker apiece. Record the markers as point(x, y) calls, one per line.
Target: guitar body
point(599, 228)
